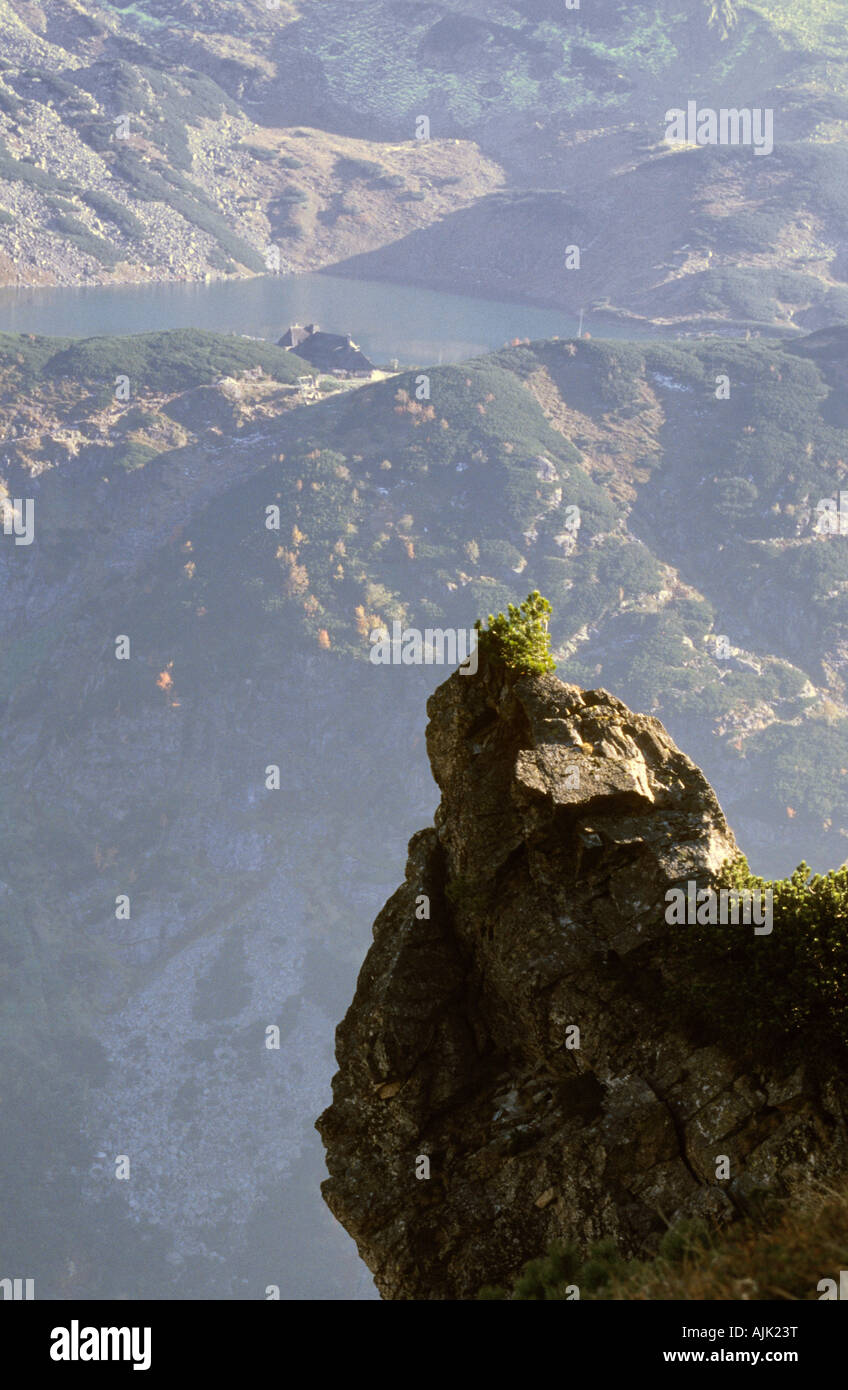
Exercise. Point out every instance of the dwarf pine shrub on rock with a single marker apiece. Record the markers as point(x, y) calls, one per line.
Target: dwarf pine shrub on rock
point(520, 638)
point(787, 990)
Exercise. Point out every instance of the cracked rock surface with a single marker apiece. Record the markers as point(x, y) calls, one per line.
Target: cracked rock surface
point(564, 819)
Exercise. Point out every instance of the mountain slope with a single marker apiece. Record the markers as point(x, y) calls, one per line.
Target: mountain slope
point(286, 140)
point(249, 640)
point(587, 470)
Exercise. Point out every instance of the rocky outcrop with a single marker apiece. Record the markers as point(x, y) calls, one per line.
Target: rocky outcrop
point(536, 907)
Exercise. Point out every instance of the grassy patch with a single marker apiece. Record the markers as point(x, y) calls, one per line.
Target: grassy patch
point(782, 992)
point(781, 1252)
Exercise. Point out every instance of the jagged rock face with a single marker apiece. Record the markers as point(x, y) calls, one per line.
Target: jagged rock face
point(563, 821)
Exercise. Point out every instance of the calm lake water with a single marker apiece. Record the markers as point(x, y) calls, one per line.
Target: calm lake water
point(387, 320)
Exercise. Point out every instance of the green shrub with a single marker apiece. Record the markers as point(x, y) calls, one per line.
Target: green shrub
point(79, 235)
point(502, 554)
point(801, 764)
point(778, 1251)
point(520, 638)
point(348, 168)
point(24, 171)
point(781, 992)
point(131, 456)
point(9, 102)
point(736, 496)
point(171, 361)
point(111, 210)
point(553, 1277)
point(682, 1239)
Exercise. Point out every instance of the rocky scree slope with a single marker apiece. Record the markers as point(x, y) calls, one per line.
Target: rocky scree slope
point(129, 152)
point(293, 129)
point(564, 819)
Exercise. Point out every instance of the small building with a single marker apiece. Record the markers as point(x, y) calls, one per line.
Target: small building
point(328, 352)
point(296, 335)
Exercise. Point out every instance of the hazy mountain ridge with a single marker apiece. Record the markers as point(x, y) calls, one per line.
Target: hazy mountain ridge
point(584, 469)
point(118, 163)
point(249, 648)
point(217, 167)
